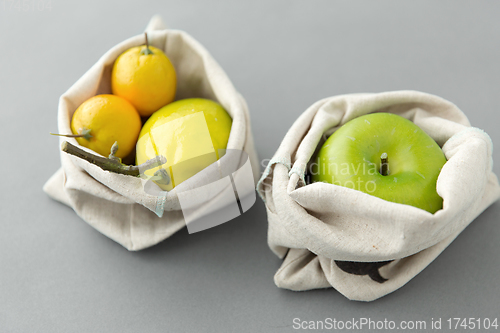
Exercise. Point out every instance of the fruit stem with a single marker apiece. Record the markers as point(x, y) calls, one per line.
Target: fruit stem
point(114, 149)
point(113, 165)
point(384, 164)
point(85, 133)
point(147, 50)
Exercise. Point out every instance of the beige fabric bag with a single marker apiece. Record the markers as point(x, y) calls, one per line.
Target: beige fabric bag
point(311, 226)
point(117, 205)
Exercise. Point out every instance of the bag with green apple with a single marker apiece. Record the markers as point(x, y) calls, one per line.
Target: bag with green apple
point(138, 210)
point(366, 190)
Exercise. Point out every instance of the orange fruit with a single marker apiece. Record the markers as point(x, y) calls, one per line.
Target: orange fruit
point(107, 119)
point(145, 77)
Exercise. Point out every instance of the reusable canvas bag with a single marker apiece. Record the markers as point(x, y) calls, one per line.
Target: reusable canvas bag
point(122, 207)
point(363, 246)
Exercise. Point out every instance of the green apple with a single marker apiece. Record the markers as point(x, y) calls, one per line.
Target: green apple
point(384, 155)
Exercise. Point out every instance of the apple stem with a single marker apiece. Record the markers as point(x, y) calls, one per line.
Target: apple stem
point(384, 164)
point(147, 50)
point(113, 165)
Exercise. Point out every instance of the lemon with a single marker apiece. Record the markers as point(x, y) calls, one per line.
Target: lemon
point(191, 133)
point(104, 119)
point(145, 77)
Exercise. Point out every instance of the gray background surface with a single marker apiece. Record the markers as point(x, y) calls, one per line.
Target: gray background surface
point(57, 274)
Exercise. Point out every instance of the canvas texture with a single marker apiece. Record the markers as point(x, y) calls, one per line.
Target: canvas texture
point(117, 205)
point(363, 246)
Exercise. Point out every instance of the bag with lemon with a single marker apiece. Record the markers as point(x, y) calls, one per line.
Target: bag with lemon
point(153, 119)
